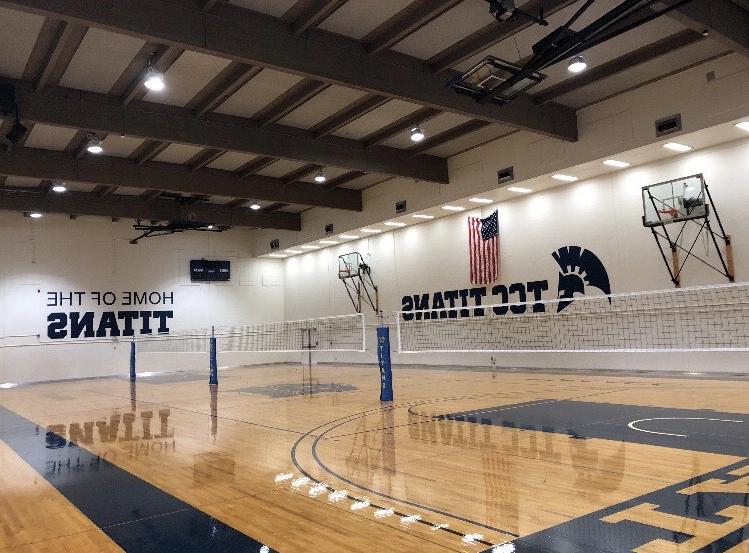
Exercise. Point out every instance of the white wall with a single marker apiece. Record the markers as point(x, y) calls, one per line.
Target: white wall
point(92, 254)
point(602, 214)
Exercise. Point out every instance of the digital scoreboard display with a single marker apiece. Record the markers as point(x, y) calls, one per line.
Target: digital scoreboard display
point(202, 270)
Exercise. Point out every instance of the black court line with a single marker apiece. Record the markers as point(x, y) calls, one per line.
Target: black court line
point(691, 429)
point(136, 515)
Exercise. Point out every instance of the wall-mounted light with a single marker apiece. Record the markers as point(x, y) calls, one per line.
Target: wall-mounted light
point(519, 189)
point(564, 178)
point(616, 163)
point(676, 147)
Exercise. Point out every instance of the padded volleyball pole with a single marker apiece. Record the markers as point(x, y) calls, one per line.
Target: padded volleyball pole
point(132, 360)
point(383, 357)
point(213, 378)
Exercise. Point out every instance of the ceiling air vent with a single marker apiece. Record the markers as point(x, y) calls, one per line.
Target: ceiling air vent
point(400, 207)
point(668, 125)
point(505, 175)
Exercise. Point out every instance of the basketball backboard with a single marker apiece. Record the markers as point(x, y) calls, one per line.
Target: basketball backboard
point(674, 201)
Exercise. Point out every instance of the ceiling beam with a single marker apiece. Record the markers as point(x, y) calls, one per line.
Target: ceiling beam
point(147, 151)
point(208, 5)
point(448, 135)
point(407, 21)
point(492, 34)
point(255, 165)
point(289, 101)
point(274, 207)
point(203, 158)
point(134, 207)
point(47, 164)
point(299, 174)
point(233, 77)
point(622, 63)
point(255, 39)
point(98, 113)
point(343, 179)
point(351, 112)
point(401, 125)
point(724, 20)
point(305, 14)
point(68, 40)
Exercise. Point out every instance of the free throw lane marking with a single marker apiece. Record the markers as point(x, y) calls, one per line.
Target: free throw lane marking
point(633, 423)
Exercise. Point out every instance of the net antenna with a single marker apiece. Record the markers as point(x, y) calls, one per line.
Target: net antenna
point(687, 203)
point(356, 276)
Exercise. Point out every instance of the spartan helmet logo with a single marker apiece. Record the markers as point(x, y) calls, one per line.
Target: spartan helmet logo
point(579, 268)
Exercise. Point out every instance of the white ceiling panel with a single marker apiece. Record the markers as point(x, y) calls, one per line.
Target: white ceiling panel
point(48, 137)
point(186, 77)
point(258, 93)
point(376, 119)
point(231, 161)
point(442, 122)
point(461, 21)
point(356, 18)
point(100, 60)
point(18, 32)
point(177, 153)
point(280, 168)
point(320, 106)
point(120, 146)
point(276, 8)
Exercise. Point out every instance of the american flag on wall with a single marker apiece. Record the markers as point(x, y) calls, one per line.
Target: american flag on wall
point(483, 248)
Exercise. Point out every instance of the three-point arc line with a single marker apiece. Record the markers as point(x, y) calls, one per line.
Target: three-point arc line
point(633, 423)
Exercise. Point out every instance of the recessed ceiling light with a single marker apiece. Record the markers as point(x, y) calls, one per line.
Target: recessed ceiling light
point(330, 242)
point(371, 230)
point(615, 163)
point(320, 177)
point(417, 134)
point(94, 145)
point(577, 64)
point(154, 79)
point(421, 216)
point(254, 207)
point(519, 189)
point(35, 215)
point(348, 236)
point(676, 147)
point(310, 247)
point(481, 200)
point(744, 125)
point(293, 251)
point(395, 224)
point(59, 187)
point(453, 208)
point(276, 255)
point(565, 178)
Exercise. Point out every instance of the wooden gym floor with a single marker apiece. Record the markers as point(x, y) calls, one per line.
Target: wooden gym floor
point(284, 458)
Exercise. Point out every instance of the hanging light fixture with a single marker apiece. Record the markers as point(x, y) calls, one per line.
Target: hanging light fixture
point(577, 64)
point(94, 144)
point(320, 177)
point(59, 187)
point(417, 134)
point(153, 79)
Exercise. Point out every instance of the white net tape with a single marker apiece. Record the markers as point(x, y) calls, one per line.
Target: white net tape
point(181, 341)
point(710, 318)
point(343, 333)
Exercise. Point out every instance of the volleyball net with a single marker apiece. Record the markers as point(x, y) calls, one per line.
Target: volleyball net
point(708, 318)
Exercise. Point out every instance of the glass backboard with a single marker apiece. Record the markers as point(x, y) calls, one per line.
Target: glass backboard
point(673, 201)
